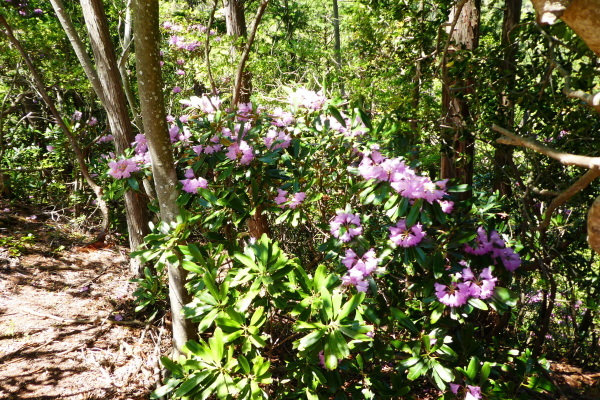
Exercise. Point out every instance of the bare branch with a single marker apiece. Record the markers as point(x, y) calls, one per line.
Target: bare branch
point(561, 199)
point(563, 158)
point(593, 100)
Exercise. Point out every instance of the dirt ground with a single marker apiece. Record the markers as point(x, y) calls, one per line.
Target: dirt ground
point(67, 325)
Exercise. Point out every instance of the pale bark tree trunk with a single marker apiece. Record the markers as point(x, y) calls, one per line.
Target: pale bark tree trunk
point(39, 85)
point(503, 154)
point(136, 204)
point(458, 140)
point(337, 44)
point(150, 86)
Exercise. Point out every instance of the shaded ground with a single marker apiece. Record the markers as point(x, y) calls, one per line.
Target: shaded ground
point(67, 326)
point(60, 306)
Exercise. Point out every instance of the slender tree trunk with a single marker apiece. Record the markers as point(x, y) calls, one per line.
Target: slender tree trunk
point(236, 28)
point(150, 86)
point(458, 140)
point(39, 84)
point(503, 154)
point(136, 205)
point(337, 44)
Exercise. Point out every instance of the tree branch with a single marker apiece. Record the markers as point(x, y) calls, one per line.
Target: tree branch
point(563, 158)
point(593, 100)
point(561, 199)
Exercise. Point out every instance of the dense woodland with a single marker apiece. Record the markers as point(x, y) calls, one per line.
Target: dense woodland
point(331, 200)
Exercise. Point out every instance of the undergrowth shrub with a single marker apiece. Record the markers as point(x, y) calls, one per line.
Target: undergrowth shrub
point(386, 284)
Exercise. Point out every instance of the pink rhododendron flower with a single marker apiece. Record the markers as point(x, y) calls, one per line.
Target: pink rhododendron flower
point(180, 72)
point(404, 237)
point(481, 287)
point(282, 118)
point(141, 144)
point(359, 268)
point(292, 201)
point(92, 121)
point(191, 184)
point(106, 139)
point(281, 197)
point(242, 152)
point(176, 89)
point(77, 115)
point(345, 226)
point(473, 393)
point(122, 168)
point(447, 206)
point(277, 140)
point(209, 105)
point(453, 295)
point(495, 247)
point(308, 99)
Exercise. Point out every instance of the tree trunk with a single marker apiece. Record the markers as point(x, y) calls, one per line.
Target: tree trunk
point(236, 28)
point(337, 45)
point(458, 140)
point(503, 154)
point(150, 86)
point(136, 205)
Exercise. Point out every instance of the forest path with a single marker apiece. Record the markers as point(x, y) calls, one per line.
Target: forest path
point(67, 326)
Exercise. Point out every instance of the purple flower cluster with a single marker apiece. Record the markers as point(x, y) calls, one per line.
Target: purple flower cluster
point(191, 184)
point(359, 269)
point(277, 139)
point(471, 392)
point(403, 179)
point(495, 247)
point(406, 237)
point(292, 201)
point(308, 99)
point(282, 118)
point(457, 294)
point(122, 168)
point(345, 226)
point(241, 152)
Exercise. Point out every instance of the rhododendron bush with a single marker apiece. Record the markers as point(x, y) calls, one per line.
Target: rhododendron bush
point(371, 280)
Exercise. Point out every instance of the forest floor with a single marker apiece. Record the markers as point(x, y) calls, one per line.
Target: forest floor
point(67, 324)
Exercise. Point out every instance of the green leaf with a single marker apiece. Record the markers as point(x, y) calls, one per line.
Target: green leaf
point(485, 372)
point(336, 114)
point(473, 368)
point(411, 219)
point(416, 370)
point(436, 313)
point(351, 305)
point(193, 381)
point(165, 389)
point(404, 320)
point(505, 296)
point(311, 339)
point(133, 183)
point(444, 373)
point(477, 303)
